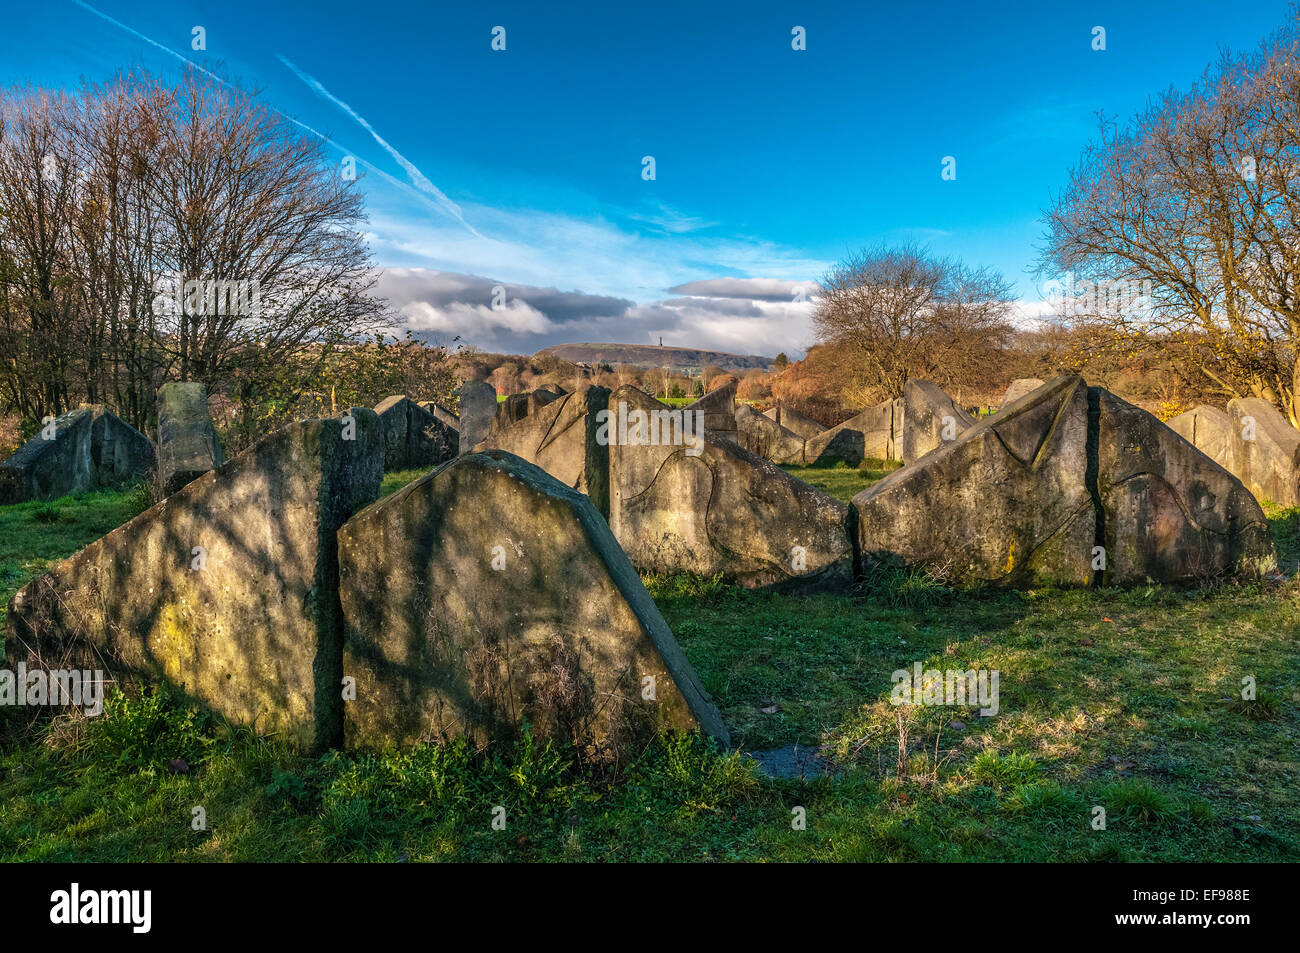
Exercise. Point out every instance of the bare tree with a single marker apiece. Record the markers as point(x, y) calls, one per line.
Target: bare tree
point(150, 231)
point(907, 313)
point(116, 237)
point(38, 313)
point(249, 201)
point(1180, 230)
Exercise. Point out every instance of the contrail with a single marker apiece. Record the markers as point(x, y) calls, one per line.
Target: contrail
point(154, 43)
point(418, 177)
point(442, 203)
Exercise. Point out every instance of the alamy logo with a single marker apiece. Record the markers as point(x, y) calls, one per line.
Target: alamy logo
point(949, 687)
point(80, 689)
point(134, 907)
point(1074, 297)
point(655, 428)
point(208, 297)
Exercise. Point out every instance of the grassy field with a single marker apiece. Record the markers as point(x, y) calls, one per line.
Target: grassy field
point(1126, 700)
point(842, 481)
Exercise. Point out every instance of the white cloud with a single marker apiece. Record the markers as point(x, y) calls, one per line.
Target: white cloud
point(763, 289)
point(445, 304)
point(1032, 315)
point(594, 253)
point(459, 317)
point(672, 221)
point(764, 327)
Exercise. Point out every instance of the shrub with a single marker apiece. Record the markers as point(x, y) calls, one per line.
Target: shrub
point(1138, 799)
point(690, 772)
point(991, 768)
point(901, 587)
point(145, 733)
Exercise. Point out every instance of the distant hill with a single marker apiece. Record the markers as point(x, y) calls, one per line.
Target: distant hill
point(649, 355)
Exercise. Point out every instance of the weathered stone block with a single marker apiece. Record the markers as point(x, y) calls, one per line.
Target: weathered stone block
point(719, 409)
point(118, 452)
point(1170, 513)
point(487, 594)
point(89, 448)
point(413, 437)
point(839, 444)
point(187, 442)
point(1067, 485)
point(560, 437)
point(1004, 503)
point(1019, 388)
point(50, 465)
point(478, 405)
point(875, 432)
point(1209, 430)
point(1266, 451)
point(519, 407)
point(442, 413)
point(930, 419)
point(766, 438)
point(228, 589)
point(795, 422)
point(717, 508)
point(511, 410)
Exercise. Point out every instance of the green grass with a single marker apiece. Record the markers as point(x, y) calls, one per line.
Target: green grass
point(1127, 700)
point(34, 536)
point(1285, 524)
point(397, 479)
point(841, 480)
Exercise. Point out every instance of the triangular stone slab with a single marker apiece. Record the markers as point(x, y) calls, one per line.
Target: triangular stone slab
point(717, 508)
point(227, 589)
point(487, 594)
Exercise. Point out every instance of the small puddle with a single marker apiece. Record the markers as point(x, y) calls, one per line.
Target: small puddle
point(794, 761)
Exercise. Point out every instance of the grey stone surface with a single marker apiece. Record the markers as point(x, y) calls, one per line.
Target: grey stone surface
point(1171, 514)
point(118, 452)
point(90, 448)
point(842, 443)
point(560, 437)
point(722, 510)
point(413, 436)
point(1210, 431)
point(797, 423)
point(875, 432)
point(442, 413)
point(478, 405)
point(487, 594)
point(226, 590)
point(1019, 388)
point(930, 419)
point(1269, 462)
point(187, 442)
point(1025, 497)
point(1005, 503)
point(719, 408)
point(766, 438)
point(517, 407)
point(514, 408)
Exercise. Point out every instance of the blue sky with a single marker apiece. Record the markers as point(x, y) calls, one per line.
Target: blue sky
point(524, 167)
